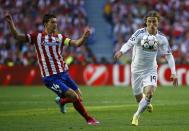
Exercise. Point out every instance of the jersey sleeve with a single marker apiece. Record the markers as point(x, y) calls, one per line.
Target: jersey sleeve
point(164, 47)
point(133, 40)
point(65, 40)
point(32, 37)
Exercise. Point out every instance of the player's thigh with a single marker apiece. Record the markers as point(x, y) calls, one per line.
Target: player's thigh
point(137, 83)
point(56, 85)
point(149, 90)
point(71, 83)
point(65, 77)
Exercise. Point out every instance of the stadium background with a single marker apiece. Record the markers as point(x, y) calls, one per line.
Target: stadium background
point(112, 22)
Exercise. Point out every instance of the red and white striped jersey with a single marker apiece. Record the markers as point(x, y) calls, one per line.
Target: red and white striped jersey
point(49, 52)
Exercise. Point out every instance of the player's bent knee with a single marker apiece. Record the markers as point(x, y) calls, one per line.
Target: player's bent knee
point(149, 97)
point(72, 95)
point(78, 92)
point(149, 94)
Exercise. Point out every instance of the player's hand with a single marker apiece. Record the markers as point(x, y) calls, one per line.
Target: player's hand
point(174, 79)
point(117, 55)
point(8, 18)
point(87, 32)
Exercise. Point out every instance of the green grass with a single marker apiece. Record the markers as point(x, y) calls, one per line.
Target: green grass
point(34, 109)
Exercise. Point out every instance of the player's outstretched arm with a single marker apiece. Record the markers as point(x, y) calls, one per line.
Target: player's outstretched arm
point(126, 47)
point(17, 36)
point(81, 40)
point(171, 63)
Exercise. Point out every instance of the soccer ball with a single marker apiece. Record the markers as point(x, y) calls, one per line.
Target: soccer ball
point(149, 42)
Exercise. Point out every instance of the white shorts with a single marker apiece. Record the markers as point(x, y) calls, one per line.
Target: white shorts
point(144, 79)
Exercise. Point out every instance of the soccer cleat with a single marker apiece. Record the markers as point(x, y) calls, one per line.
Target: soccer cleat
point(92, 121)
point(135, 120)
point(62, 106)
point(149, 108)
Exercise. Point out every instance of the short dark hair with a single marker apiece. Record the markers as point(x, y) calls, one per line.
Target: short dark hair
point(152, 13)
point(47, 17)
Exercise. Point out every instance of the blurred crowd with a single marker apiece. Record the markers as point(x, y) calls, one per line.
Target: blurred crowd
point(126, 16)
point(28, 14)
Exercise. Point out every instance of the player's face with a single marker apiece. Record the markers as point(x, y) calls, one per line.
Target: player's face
point(52, 25)
point(152, 24)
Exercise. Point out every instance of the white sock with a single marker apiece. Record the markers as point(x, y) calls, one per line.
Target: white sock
point(142, 106)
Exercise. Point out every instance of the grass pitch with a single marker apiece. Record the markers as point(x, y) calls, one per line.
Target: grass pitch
point(34, 109)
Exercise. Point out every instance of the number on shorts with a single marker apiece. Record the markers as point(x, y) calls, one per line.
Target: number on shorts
point(55, 87)
point(153, 78)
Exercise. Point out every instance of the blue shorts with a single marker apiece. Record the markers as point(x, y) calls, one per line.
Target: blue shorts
point(60, 83)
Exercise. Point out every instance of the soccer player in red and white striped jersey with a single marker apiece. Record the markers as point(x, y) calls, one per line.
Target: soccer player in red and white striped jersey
point(54, 70)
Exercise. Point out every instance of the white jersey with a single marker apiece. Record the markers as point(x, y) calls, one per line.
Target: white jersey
point(145, 60)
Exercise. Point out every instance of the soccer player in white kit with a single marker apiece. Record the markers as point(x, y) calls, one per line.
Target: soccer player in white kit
point(144, 64)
